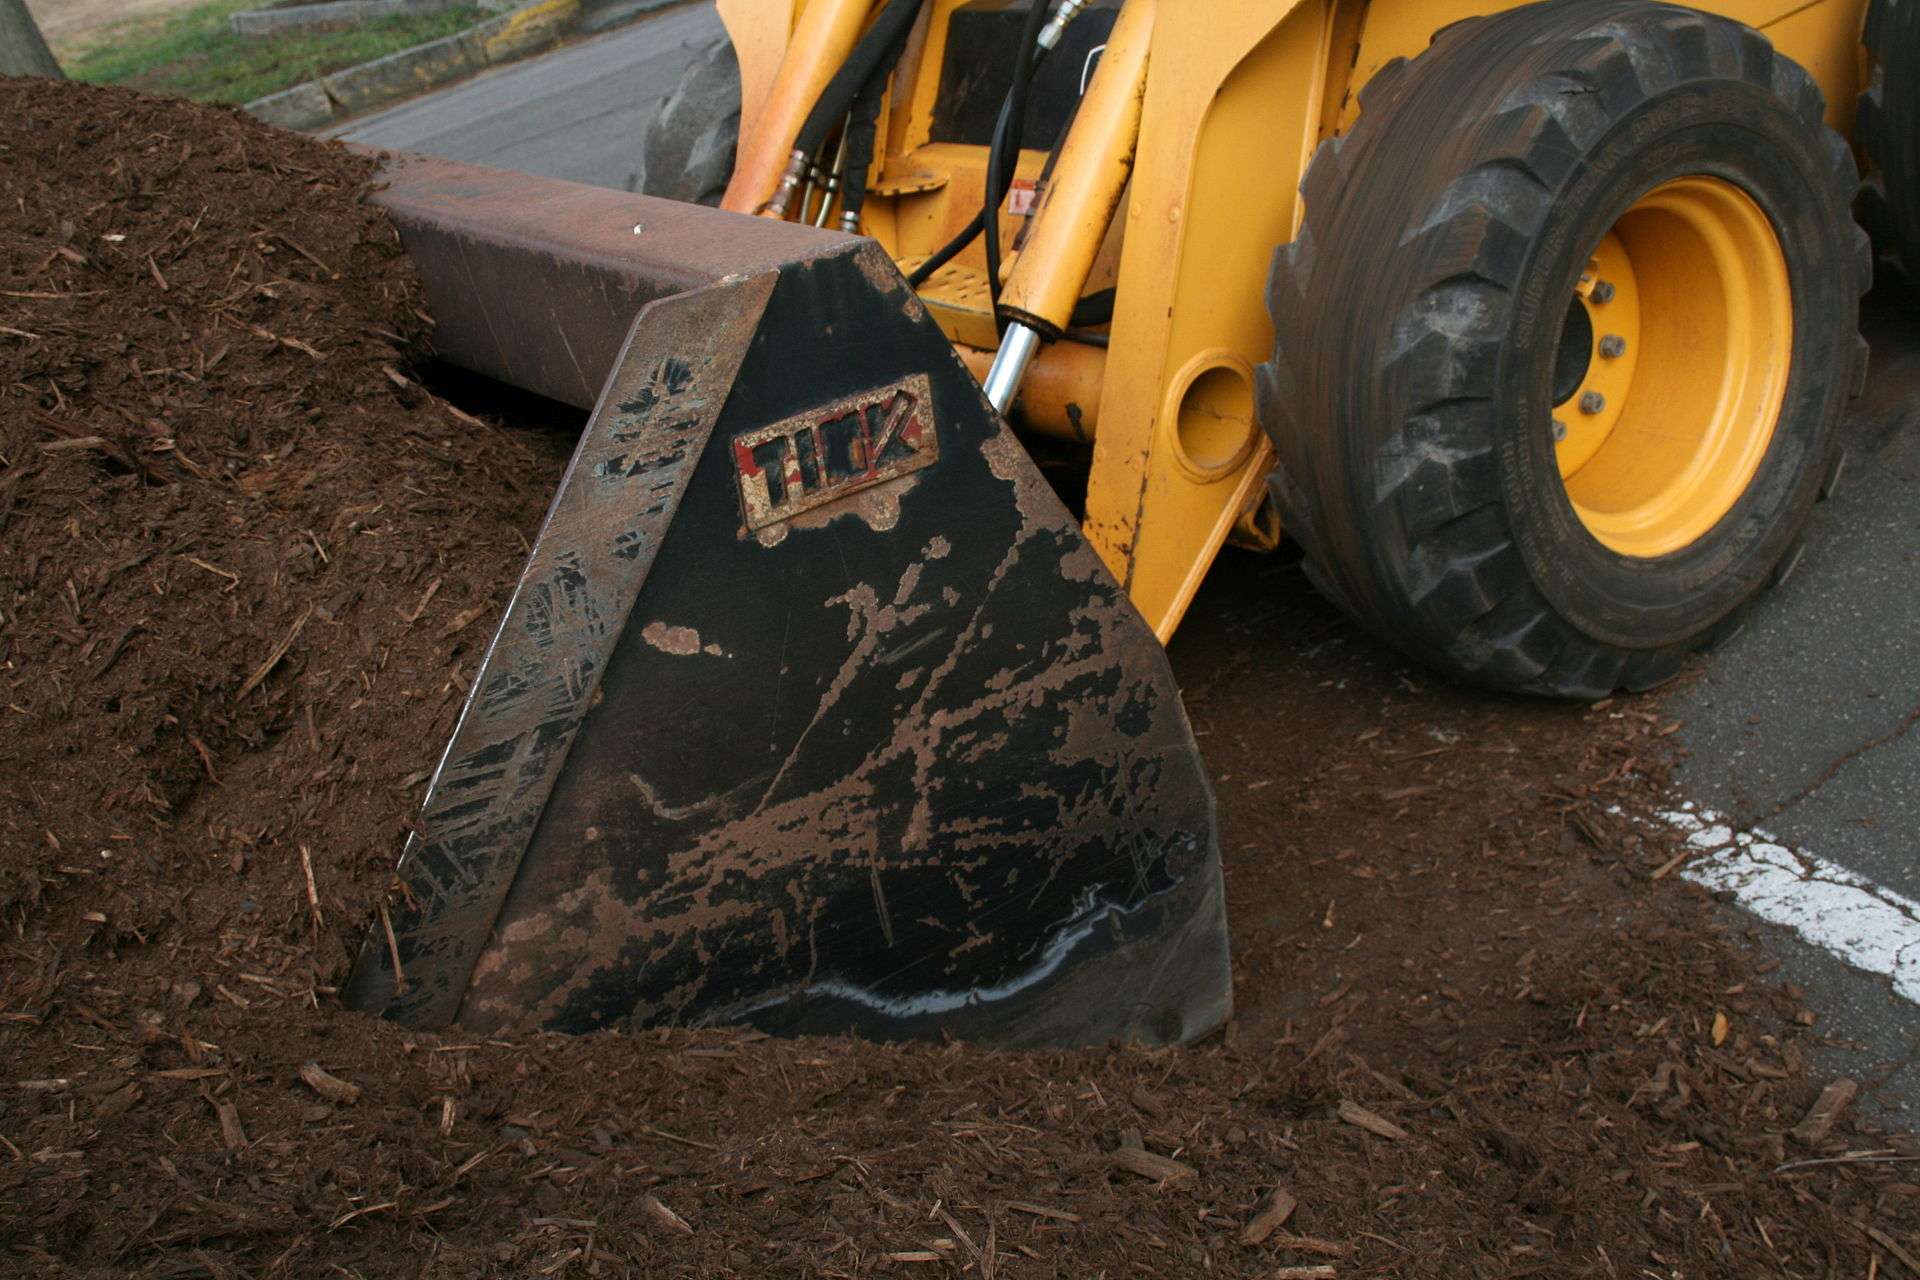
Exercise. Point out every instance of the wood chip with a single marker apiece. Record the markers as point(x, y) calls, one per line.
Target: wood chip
point(231, 1130)
point(265, 669)
point(295, 245)
point(1355, 1114)
point(233, 579)
point(393, 950)
point(1148, 1164)
point(462, 620)
point(915, 1255)
point(1674, 863)
point(313, 891)
point(292, 343)
point(1041, 1211)
point(433, 589)
point(118, 1103)
point(345, 1218)
point(1317, 1271)
point(1308, 1244)
point(1826, 1109)
point(1720, 1028)
point(1893, 1247)
point(330, 1087)
point(674, 1137)
point(665, 1216)
point(1274, 1210)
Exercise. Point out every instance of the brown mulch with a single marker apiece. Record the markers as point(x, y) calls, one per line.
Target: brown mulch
point(248, 558)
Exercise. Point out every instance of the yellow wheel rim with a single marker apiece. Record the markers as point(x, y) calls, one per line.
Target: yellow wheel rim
point(1672, 367)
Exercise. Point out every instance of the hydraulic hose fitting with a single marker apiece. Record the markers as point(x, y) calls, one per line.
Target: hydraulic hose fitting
point(796, 173)
point(1057, 25)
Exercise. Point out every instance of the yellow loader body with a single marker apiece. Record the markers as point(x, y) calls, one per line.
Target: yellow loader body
point(1235, 97)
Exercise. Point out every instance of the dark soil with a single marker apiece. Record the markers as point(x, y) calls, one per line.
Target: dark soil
point(248, 560)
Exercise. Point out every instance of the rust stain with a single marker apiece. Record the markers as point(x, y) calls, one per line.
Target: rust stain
point(880, 271)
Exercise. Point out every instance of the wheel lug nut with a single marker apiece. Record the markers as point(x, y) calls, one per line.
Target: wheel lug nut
point(1592, 402)
point(1559, 431)
point(1602, 292)
point(1613, 346)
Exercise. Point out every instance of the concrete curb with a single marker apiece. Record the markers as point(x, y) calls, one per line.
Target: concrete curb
point(520, 31)
point(603, 15)
point(329, 13)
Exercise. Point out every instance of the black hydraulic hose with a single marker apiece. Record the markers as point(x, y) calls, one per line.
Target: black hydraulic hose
point(955, 247)
point(947, 252)
point(887, 34)
point(863, 128)
point(1005, 153)
point(1094, 309)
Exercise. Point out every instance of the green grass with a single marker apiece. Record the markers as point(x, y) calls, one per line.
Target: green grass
point(196, 55)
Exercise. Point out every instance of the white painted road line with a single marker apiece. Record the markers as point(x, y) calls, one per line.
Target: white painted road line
point(1867, 926)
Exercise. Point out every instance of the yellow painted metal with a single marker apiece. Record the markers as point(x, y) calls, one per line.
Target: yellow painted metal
point(1825, 38)
point(1060, 396)
point(1077, 203)
point(1811, 32)
point(939, 188)
point(1220, 155)
point(758, 31)
point(959, 301)
point(1238, 95)
point(823, 35)
point(1715, 324)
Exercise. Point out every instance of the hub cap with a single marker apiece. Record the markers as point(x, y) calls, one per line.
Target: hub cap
point(1671, 366)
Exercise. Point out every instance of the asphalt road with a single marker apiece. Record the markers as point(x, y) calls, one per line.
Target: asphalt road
point(1807, 724)
point(575, 113)
point(1805, 727)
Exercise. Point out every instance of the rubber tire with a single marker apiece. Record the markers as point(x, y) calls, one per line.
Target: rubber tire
point(1408, 393)
point(687, 149)
point(1889, 134)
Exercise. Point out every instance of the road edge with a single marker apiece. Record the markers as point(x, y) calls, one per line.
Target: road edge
point(523, 30)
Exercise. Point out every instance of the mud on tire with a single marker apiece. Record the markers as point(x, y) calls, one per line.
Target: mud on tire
point(1418, 313)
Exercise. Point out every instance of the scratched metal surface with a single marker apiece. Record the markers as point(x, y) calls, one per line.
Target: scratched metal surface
point(602, 534)
point(908, 762)
point(535, 281)
point(820, 715)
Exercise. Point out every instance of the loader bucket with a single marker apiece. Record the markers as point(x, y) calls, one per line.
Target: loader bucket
point(812, 708)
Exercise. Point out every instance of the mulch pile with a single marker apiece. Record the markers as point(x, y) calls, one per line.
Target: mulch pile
point(249, 559)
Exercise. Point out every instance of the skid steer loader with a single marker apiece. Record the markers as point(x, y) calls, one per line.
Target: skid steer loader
point(817, 708)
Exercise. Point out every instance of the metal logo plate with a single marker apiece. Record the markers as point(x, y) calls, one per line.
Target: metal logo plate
point(834, 451)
